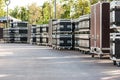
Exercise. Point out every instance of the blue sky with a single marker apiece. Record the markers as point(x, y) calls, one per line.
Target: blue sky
point(25, 2)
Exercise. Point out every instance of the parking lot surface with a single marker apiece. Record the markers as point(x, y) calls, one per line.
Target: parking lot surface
point(31, 62)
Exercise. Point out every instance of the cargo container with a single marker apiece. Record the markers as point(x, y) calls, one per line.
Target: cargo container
point(99, 31)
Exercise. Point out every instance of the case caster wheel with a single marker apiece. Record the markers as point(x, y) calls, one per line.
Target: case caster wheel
point(93, 55)
point(114, 62)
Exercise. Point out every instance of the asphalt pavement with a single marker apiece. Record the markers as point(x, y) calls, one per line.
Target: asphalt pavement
point(31, 62)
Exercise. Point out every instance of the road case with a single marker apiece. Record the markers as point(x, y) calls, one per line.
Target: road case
point(62, 34)
point(115, 15)
point(33, 34)
point(99, 31)
point(115, 48)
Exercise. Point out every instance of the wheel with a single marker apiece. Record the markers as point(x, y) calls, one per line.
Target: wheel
point(114, 62)
point(93, 55)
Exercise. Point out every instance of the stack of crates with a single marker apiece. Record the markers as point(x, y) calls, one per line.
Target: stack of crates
point(21, 31)
point(18, 32)
point(54, 33)
point(74, 23)
point(33, 34)
point(115, 32)
point(8, 35)
point(38, 35)
point(82, 32)
point(42, 34)
point(62, 34)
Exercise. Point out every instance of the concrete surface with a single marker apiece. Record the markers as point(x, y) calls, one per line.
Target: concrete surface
point(31, 62)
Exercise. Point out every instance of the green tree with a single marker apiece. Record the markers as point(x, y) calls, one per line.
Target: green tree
point(63, 8)
point(24, 14)
point(20, 13)
point(2, 5)
point(34, 13)
point(15, 12)
point(93, 1)
point(46, 12)
point(81, 7)
point(67, 6)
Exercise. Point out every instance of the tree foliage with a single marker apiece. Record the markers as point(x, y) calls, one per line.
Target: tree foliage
point(15, 12)
point(81, 7)
point(20, 13)
point(46, 12)
point(66, 5)
point(34, 13)
point(65, 9)
point(93, 1)
point(24, 14)
point(2, 5)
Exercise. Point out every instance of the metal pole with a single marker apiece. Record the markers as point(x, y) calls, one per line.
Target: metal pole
point(55, 9)
point(42, 13)
point(7, 17)
point(50, 9)
point(7, 2)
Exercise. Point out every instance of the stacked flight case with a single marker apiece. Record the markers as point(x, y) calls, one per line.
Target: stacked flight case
point(17, 33)
point(8, 35)
point(62, 34)
point(21, 31)
point(38, 35)
point(99, 32)
point(115, 32)
point(33, 34)
point(82, 32)
point(42, 34)
point(74, 23)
